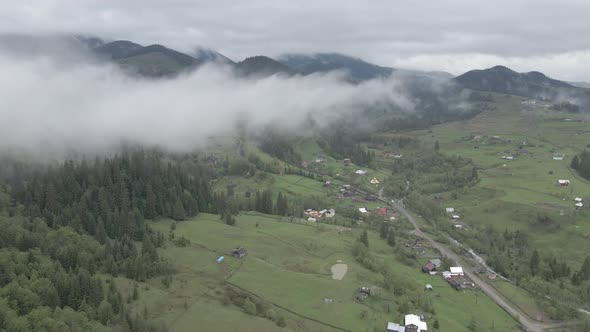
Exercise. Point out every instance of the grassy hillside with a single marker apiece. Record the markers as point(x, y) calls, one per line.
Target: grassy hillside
point(288, 265)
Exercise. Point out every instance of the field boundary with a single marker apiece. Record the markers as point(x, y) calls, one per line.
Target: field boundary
point(287, 309)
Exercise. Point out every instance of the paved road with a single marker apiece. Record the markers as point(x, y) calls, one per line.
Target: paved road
point(527, 323)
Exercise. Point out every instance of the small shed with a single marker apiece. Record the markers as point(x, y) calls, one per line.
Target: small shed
point(239, 252)
point(429, 267)
point(436, 262)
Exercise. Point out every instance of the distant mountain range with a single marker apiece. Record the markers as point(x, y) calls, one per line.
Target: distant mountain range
point(533, 84)
point(159, 61)
point(355, 69)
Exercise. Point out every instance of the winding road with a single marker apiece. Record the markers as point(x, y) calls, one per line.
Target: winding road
point(527, 323)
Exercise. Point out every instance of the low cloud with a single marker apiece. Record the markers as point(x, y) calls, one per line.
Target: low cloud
point(47, 109)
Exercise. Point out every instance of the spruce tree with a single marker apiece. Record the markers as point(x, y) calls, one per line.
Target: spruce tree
point(364, 238)
point(391, 238)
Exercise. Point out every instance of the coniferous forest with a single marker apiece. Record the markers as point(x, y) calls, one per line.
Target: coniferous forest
point(66, 227)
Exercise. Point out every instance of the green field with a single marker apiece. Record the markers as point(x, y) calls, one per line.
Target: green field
point(288, 265)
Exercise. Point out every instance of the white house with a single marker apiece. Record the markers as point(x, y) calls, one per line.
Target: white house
point(450, 210)
point(414, 320)
point(331, 213)
point(374, 181)
point(363, 210)
point(360, 172)
point(455, 216)
point(397, 156)
point(563, 183)
point(456, 271)
point(578, 199)
point(395, 327)
point(579, 205)
point(312, 219)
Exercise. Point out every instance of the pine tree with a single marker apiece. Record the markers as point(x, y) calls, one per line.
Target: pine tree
point(391, 238)
point(249, 307)
point(534, 263)
point(364, 238)
point(383, 231)
point(575, 164)
point(178, 212)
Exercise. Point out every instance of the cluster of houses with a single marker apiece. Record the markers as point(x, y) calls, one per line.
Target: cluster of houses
point(313, 215)
point(454, 276)
point(412, 323)
point(455, 216)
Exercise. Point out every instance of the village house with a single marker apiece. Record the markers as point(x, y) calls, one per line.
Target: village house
point(360, 172)
point(579, 205)
point(375, 181)
point(563, 183)
point(456, 271)
point(397, 156)
point(363, 210)
point(558, 156)
point(578, 199)
point(412, 323)
point(382, 211)
point(347, 161)
point(432, 266)
point(450, 210)
point(239, 252)
point(362, 293)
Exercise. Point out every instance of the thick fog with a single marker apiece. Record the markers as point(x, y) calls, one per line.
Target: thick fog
point(46, 108)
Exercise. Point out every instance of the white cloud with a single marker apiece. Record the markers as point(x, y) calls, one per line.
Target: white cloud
point(46, 109)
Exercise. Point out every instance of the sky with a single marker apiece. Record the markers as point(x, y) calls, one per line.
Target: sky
point(451, 35)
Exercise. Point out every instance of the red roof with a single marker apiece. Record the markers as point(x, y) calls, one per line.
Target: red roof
point(382, 211)
point(428, 267)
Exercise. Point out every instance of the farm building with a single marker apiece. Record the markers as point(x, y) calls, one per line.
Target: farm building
point(450, 210)
point(436, 262)
point(382, 211)
point(374, 181)
point(239, 252)
point(579, 205)
point(455, 216)
point(563, 183)
point(363, 210)
point(413, 323)
point(360, 172)
point(578, 199)
point(362, 293)
point(428, 267)
point(395, 327)
point(347, 161)
point(456, 271)
point(558, 156)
